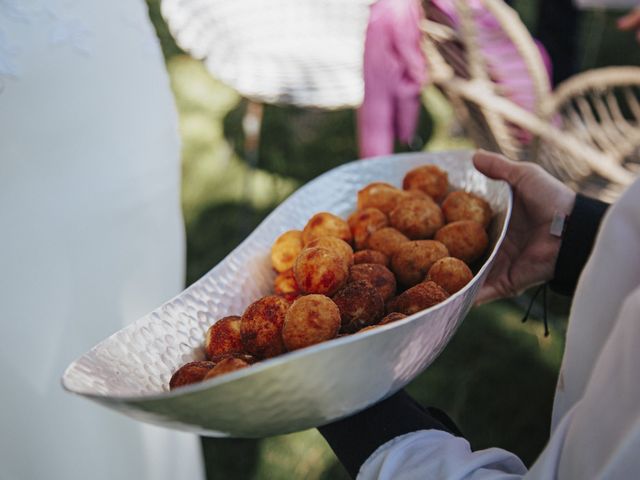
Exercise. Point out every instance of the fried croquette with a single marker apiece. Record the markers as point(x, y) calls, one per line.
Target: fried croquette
point(412, 260)
point(417, 298)
point(223, 338)
point(461, 205)
point(226, 365)
point(386, 240)
point(370, 256)
point(192, 372)
point(360, 305)
point(319, 270)
point(392, 317)
point(378, 276)
point(336, 245)
point(417, 218)
point(286, 286)
point(261, 326)
point(326, 224)
point(465, 239)
point(311, 319)
point(285, 250)
point(364, 222)
point(450, 273)
point(379, 195)
point(429, 179)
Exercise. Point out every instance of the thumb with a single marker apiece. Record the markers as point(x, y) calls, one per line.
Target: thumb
point(497, 166)
point(487, 294)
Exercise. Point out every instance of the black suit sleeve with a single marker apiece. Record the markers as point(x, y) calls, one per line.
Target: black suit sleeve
point(355, 438)
point(577, 243)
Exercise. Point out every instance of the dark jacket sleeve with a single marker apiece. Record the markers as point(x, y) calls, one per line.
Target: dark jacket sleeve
point(578, 238)
point(355, 438)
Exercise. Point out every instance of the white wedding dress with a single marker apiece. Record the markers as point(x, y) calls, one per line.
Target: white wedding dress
point(91, 230)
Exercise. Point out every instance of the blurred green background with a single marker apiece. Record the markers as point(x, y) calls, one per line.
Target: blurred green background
point(497, 376)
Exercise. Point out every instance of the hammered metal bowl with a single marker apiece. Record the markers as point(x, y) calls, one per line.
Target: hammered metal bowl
point(130, 370)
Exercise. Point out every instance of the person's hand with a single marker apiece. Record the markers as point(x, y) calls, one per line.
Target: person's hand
point(528, 254)
point(631, 21)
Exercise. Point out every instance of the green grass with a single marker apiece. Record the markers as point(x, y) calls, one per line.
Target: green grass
point(497, 376)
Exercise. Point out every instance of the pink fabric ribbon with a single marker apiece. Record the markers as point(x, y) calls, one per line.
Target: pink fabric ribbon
point(394, 73)
point(395, 70)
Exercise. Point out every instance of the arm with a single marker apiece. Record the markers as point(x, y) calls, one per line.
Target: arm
point(394, 427)
point(598, 438)
point(355, 438)
point(398, 438)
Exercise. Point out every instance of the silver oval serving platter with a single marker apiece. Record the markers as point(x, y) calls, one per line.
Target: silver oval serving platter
point(130, 370)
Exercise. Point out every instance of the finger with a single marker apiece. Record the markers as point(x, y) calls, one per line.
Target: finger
point(498, 167)
point(630, 21)
point(487, 294)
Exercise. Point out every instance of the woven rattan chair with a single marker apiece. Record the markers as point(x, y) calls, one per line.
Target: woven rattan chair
point(586, 131)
